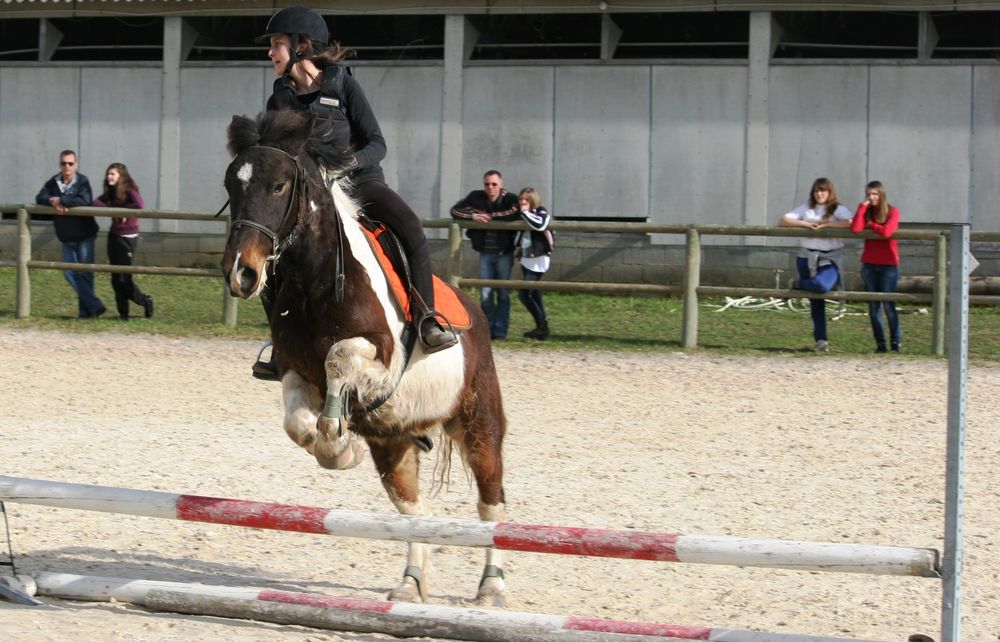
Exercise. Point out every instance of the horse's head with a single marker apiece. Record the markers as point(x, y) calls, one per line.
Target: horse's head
point(267, 194)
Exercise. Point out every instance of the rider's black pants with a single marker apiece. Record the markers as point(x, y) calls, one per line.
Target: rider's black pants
point(379, 202)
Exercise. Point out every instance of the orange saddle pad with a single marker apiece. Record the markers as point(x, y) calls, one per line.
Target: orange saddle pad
point(445, 300)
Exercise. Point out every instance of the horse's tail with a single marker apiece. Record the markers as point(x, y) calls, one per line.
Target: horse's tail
point(441, 476)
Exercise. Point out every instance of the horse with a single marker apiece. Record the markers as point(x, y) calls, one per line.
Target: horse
point(347, 375)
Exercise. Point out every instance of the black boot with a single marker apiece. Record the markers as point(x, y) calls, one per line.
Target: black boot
point(121, 304)
point(147, 306)
point(433, 337)
point(540, 333)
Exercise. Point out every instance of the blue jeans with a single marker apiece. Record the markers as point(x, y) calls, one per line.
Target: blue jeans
point(882, 278)
point(824, 280)
point(82, 282)
point(496, 301)
point(532, 299)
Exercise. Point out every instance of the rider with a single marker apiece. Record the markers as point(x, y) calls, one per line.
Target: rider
point(311, 79)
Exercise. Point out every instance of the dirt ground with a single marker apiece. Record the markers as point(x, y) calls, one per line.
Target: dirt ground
point(816, 448)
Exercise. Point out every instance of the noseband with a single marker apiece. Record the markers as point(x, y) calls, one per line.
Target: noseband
point(277, 246)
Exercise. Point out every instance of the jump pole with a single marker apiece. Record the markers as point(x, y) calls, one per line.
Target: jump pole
point(534, 538)
point(375, 616)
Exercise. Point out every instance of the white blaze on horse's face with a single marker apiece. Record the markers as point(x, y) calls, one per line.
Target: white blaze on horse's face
point(244, 174)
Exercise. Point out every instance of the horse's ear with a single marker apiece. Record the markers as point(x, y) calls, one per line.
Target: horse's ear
point(242, 133)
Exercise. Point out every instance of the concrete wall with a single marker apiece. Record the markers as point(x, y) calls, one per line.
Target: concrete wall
point(665, 142)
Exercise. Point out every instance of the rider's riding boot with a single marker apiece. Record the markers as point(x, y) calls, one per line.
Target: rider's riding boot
point(432, 336)
point(265, 370)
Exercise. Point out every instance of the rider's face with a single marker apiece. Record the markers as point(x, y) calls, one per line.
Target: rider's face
point(279, 52)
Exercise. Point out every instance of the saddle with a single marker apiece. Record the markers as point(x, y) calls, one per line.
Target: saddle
point(392, 260)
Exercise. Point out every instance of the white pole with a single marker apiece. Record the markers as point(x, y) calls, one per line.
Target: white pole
point(535, 538)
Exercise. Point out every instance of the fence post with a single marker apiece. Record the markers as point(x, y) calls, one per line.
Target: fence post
point(940, 294)
point(454, 254)
point(692, 278)
point(23, 304)
point(230, 305)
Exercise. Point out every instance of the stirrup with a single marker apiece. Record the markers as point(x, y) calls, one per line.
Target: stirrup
point(451, 338)
point(265, 370)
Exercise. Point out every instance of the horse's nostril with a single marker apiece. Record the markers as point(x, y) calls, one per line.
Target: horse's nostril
point(248, 279)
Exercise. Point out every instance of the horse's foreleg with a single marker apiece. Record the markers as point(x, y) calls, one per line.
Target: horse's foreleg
point(336, 446)
point(397, 463)
point(302, 401)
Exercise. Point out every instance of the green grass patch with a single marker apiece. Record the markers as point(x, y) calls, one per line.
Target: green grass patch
point(192, 306)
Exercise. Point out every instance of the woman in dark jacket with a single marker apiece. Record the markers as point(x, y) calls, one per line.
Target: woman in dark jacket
point(347, 139)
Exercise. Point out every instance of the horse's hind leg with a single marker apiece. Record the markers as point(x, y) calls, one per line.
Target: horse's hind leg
point(480, 437)
point(397, 463)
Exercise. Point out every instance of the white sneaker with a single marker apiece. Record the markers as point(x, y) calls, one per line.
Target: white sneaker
point(821, 346)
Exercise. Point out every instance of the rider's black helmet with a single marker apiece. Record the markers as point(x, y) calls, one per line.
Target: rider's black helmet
point(297, 20)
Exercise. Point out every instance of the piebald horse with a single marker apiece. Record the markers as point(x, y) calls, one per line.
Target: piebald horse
point(337, 331)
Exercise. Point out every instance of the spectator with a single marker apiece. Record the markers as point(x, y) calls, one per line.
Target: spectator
point(818, 261)
point(77, 234)
point(534, 247)
point(880, 260)
point(347, 140)
point(495, 247)
point(121, 191)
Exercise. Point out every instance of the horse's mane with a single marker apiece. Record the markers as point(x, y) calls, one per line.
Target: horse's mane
point(284, 129)
point(290, 131)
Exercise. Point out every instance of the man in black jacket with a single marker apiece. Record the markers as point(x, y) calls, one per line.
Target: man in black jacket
point(495, 247)
point(77, 234)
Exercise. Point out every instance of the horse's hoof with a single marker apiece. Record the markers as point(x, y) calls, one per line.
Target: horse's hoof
point(408, 591)
point(413, 588)
point(351, 457)
point(491, 594)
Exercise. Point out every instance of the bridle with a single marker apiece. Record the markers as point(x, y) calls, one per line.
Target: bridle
point(278, 246)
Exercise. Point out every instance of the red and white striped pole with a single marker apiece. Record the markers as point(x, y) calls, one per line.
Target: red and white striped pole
point(360, 614)
point(563, 540)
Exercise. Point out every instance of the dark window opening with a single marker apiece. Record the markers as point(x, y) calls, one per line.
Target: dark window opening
point(843, 34)
point(683, 35)
point(19, 39)
point(114, 39)
point(537, 36)
point(374, 37)
point(969, 34)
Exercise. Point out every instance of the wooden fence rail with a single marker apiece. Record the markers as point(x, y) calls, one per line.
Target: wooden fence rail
point(689, 289)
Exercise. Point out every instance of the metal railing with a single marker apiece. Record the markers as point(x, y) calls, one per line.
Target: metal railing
point(689, 289)
point(24, 262)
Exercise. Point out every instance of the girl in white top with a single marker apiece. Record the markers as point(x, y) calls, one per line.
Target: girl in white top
point(534, 248)
point(818, 261)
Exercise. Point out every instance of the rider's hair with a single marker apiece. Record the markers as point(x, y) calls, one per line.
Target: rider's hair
point(327, 57)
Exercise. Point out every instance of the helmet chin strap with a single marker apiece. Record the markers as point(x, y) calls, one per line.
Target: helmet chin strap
point(293, 55)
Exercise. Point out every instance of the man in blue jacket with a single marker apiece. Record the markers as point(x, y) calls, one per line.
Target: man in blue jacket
point(77, 234)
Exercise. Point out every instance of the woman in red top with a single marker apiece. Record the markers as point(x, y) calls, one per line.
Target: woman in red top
point(880, 260)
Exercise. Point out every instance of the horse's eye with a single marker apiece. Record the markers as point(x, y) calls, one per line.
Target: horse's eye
point(278, 188)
